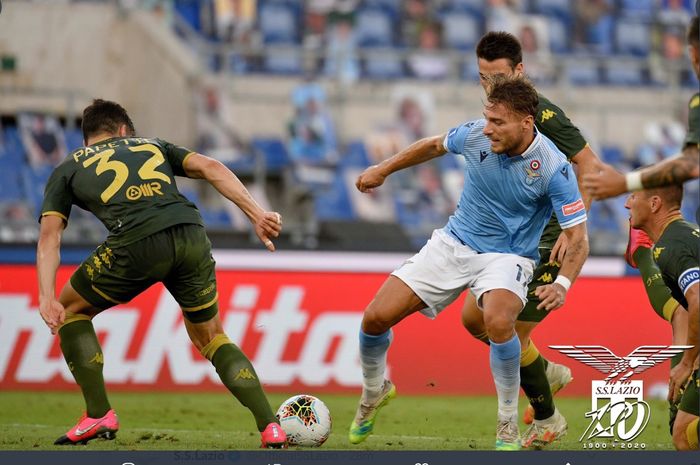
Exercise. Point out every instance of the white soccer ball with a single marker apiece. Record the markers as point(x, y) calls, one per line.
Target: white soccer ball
point(306, 420)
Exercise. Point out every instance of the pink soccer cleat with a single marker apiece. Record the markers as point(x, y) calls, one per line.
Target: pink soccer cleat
point(91, 428)
point(637, 239)
point(273, 437)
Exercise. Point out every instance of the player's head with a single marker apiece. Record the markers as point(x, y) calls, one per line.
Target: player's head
point(103, 117)
point(510, 112)
point(646, 205)
point(498, 53)
point(694, 44)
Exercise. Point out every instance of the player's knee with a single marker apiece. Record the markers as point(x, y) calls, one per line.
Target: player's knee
point(374, 322)
point(680, 440)
point(499, 326)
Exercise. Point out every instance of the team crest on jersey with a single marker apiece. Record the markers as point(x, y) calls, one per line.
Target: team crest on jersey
point(532, 174)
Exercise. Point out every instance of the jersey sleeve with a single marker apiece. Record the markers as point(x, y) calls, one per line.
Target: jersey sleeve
point(553, 123)
point(58, 195)
point(693, 136)
point(681, 262)
point(456, 137)
point(176, 156)
point(566, 198)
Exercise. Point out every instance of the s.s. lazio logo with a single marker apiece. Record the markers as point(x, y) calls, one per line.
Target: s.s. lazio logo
point(618, 410)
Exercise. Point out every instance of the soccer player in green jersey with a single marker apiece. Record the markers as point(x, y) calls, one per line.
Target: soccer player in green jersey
point(500, 53)
point(675, 170)
point(155, 235)
point(677, 254)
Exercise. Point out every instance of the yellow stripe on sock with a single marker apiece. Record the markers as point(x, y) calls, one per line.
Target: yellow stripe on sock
point(669, 307)
point(73, 317)
point(691, 433)
point(210, 349)
point(529, 355)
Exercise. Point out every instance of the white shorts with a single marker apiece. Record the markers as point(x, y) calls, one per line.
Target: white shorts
point(445, 267)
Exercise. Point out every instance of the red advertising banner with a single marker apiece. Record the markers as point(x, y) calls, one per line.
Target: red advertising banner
point(300, 331)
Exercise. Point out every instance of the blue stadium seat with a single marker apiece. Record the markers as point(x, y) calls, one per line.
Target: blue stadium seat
point(632, 37)
point(461, 31)
point(286, 61)
point(10, 184)
point(612, 154)
point(190, 11)
point(559, 37)
point(332, 202)
point(276, 156)
point(374, 28)
point(383, 64)
point(278, 23)
point(74, 139)
point(599, 35)
point(559, 8)
point(582, 72)
point(475, 7)
point(642, 9)
point(33, 182)
point(14, 149)
point(355, 155)
point(623, 73)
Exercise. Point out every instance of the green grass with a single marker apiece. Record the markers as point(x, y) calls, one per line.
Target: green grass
point(169, 421)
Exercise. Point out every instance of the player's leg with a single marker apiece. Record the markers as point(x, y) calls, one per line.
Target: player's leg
point(83, 354)
point(541, 379)
point(191, 280)
point(394, 301)
point(685, 426)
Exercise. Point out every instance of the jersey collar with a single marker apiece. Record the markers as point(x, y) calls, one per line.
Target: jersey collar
point(529, 150)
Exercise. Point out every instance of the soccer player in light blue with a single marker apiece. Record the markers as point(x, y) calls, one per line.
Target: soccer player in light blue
point(514, 178)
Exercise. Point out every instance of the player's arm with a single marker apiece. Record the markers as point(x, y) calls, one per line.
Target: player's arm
point(608, 182)
point(47, 260)
point(420, 151)
point(553, 296)
point(266, 224)
point(681, 372)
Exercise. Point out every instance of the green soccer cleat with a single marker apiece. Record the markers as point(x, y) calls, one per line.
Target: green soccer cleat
point(507, 435)
point(363, 424)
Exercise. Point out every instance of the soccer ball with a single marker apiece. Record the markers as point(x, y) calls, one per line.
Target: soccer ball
point(306, 420)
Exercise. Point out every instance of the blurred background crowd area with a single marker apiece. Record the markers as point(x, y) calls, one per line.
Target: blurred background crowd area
point(298, 97)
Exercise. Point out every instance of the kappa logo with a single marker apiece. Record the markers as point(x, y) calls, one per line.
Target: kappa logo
point(546, 115)
point(98, 358)
point(545, 278)
point(657, 252)
point(483, 154)
point(244, 373)
point(618, 411)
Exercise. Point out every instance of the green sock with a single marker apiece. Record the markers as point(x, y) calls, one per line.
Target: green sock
point(659, 295)
point(238, 375)
point(83, 355)
point(533, 380)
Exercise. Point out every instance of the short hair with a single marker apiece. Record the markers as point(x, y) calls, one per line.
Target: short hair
point(515, 93)
point(104, 116)
point(499, 44)
point(694, 32)
point(672, 195)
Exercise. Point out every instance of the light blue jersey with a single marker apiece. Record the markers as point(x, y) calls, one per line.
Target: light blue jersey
point(507, 201)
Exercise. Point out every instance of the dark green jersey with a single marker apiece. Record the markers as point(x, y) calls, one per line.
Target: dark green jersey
point(128, 183)
point(676, 253)
point(693, 136)
point(553, 123)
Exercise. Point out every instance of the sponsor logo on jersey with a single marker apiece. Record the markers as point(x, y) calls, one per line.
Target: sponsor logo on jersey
point(657, 252)
point(546, 115)
point(148, 189)
point(688, 278)
point(572, 208)
point(618, 410)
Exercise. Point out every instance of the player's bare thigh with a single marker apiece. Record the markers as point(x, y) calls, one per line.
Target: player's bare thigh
point(473, 321)
point(393, 302)
point(74, 303)
point(501, 308)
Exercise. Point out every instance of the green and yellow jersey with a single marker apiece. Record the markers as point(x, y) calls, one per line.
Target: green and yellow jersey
point(693, 136)
point(553, 123)
point(128, 183)
point(676, 254)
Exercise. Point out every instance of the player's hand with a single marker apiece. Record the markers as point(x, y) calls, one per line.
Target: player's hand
point(552, 296)
point(267, 226)
point(559, 249)
point(680, 375)
point(370, 178)
point(52, 313)
point(606, 183)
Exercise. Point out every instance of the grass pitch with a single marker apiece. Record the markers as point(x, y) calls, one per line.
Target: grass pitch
point(194, 421)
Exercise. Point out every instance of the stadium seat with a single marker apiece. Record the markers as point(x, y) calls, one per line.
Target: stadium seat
point(374, 28)
point(641, 9)
point(190, 11)
point(559, 37)
point(283, 60)
point(632, 37)
point(559, 8)
point(612, 154)
point(475, 7)
point(461, 31)
point(582, 72)
point(623, 73)
point(10, 184)
point(33, 183)
point(74, 139)
point(276, 157)
point(355, 155)
point(383, 64)
point(332, 202)
point(599, 35)
point(278, 23)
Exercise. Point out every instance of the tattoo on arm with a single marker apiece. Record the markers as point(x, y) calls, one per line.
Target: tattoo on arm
point(673, 171)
